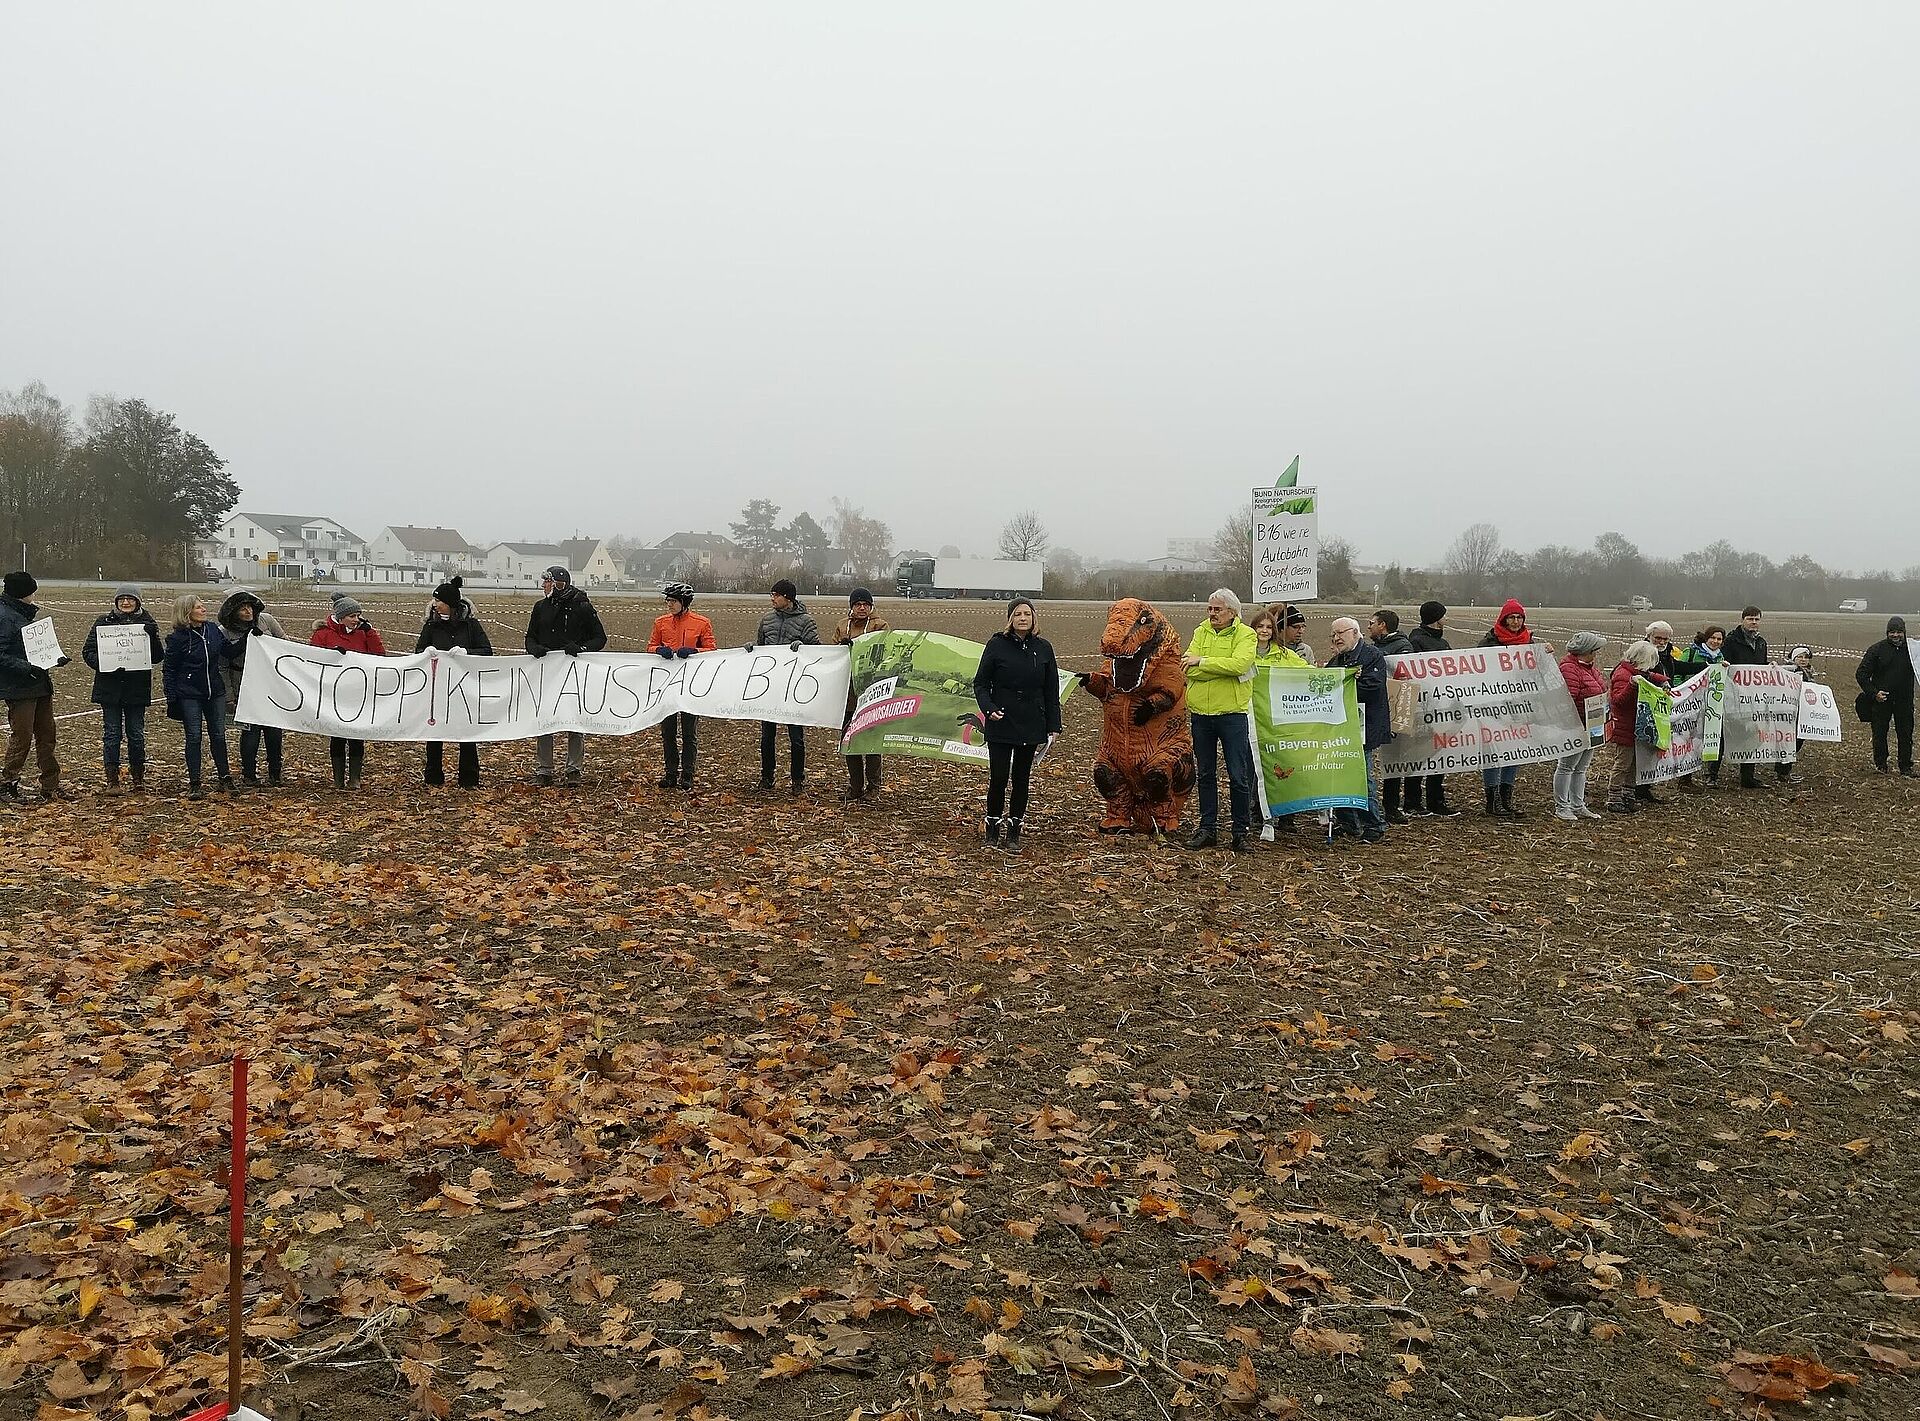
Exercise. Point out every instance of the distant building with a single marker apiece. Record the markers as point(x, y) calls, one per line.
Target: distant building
point(591, 562)
point(418, 556)
point(252, 547)
point(523, 564)
point(1198, 550)
point(1174, 564)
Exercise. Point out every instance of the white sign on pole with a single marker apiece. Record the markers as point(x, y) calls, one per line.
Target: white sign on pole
point(1286, 544)
point(124, 647)
point(42, 643)
point(437, 695)
point(1819, 714)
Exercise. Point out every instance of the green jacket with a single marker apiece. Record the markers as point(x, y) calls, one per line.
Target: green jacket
point(1215, 687)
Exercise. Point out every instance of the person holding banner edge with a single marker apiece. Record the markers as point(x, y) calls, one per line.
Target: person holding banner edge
point(1268, 650)
point(244, 616)
point(1387, 638)
point(452, 627)
point(1351, 649)
point(678, 633)
point(1219, 655)
point(344, 630)
point(1623, 719)
point(787, 623)
point(1509, 629)
point(124, 695)
point(562, 620)
point(1431, 635)
point(1745, 646)
point(1017, 688)
point(1584, 685)
point(863, 771)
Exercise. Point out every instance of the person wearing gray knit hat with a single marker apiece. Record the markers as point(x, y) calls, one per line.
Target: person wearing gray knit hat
point(124, 695)
point(1586, 687)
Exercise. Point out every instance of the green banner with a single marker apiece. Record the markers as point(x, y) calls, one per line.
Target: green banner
point(1659, 705)
point(913, 695)
point(1710, 720)
point(1308, 740)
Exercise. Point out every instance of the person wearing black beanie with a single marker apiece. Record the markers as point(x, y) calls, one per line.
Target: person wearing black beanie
point(1886, 680)
point(1429, 796)
point(863, 771)
point(452, 626)
point(28, 691)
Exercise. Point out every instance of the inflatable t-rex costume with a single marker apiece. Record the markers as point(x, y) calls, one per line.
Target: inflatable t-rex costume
point(1145, 766)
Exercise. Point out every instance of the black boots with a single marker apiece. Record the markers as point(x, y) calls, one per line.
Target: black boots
point(1507, 806)
point(1390, 793)
point(1494, 811)
point(1012, 842)
point(993, 833)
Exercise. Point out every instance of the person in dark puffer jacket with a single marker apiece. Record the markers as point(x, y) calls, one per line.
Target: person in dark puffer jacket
point(1017, 688)
point(243, 616)
point(28, 691)
point(195, 689)
point(787, 623)
point(1430, 635)
point(1885, 677)
point(451, 626)
point(123, 696)
point(562, 620)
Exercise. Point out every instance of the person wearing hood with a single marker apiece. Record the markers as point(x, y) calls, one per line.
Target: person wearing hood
point(1017, 687)
point(1430, 635)
point(1509, 629)
point(452, 627)
point(196, 691)
point(123, 696)
point(863, 771)
point(787, 623)
point(344, 630)
point(1387, 638)
point(1885, 676)
point(563, 620)
point(678, 633)
point(243, 616)
point(28, 691)
point(1583, 684)
point(1623, 720)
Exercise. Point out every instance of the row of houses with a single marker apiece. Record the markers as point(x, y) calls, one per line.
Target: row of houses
point(259, 547)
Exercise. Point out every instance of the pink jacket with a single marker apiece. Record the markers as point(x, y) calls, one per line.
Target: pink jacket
point(1582, 681)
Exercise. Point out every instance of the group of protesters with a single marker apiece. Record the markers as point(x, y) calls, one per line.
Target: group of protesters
point(202, 655)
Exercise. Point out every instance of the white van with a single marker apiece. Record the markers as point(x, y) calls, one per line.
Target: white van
point(1854, 604)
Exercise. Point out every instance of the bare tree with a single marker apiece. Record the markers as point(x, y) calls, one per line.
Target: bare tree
point(1024, 539)
point(1233, 550)
point(868, 541)
point(1471, 560)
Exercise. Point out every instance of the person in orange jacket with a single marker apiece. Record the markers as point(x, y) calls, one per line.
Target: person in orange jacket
point(347, 629)
point(680, 632)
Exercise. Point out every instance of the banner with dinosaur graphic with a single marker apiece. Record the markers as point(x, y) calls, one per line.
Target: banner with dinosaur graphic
point(1307, 740)
point(913, 695)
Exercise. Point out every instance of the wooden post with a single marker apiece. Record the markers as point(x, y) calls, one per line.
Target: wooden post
point(236, 1232)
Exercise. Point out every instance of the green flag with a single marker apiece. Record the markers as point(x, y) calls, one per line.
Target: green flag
point(1291, 478)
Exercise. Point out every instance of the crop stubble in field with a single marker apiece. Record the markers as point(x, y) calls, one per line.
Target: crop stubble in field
point(625, 1103)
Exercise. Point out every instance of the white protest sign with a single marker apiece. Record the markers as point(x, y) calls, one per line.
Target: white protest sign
point(1760, 716)
point(1819, 713)
point(1308, 700)
point(1286, 544)
point(1686, 746)
point(1597, 717)
point(436, 695)
point(42, 643)
point(123, 648)
point(1480, 709)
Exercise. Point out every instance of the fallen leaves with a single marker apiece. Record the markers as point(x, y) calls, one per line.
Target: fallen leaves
point(1781, 1378)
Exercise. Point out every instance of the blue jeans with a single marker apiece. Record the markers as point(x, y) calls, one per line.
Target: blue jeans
point(132, 722)
point(1505, 775)
point(1228, 735)
point(213, 715)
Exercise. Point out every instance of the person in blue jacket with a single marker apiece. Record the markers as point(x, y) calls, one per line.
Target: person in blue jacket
point(195, 690)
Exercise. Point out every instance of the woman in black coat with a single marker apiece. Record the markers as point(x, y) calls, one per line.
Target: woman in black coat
point(1018, 688)
point(452, 626)
point(123, 696)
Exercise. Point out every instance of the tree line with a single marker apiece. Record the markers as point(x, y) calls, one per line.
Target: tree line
point(122, 491)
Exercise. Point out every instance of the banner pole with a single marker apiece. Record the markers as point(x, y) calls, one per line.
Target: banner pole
point(236, 1230)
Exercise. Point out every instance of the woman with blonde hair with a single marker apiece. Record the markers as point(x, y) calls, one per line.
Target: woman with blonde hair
point(195, 690)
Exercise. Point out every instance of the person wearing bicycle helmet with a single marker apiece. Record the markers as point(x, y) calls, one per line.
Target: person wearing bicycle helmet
point(679, 632)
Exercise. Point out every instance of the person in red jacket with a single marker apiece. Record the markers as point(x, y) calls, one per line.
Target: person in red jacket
point(344, 630)
point(1584, 685)
point(680, 632)
point(1623, 713)
point(1509, 629)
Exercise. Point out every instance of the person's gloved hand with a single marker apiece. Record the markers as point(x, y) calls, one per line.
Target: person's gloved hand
point(793, 646)
point(686, 651)
point(1141, 713)
point(747, 647)
point(666, 653)
point(62, 661)
point(341, 649)
point(1083, 677)
point(572, 648)
point(254, 630)
point(536, 651)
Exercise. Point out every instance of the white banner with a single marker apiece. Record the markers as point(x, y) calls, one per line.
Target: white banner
point(1685, 751)
point(1480, 709)
point(1761, 714)
point(1286, 544)
point(42, 643)
point(438, 695)
point(124, 647)
point(1819, 713)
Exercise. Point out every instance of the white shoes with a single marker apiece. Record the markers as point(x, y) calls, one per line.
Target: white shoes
point(1266, 834)
point(1565, 811)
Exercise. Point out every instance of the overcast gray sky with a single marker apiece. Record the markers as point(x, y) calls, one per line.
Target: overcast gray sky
point(528, 270)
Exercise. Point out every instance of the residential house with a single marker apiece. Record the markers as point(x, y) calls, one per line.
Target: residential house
point(418, 556)
point(264, 546)
point(591, 562)
point(1174, 564)
point(523, 564)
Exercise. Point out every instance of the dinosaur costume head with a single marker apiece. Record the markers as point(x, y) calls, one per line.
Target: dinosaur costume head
point(1136, 632)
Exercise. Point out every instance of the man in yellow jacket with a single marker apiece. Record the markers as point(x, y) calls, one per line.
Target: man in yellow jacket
point(1218, 660)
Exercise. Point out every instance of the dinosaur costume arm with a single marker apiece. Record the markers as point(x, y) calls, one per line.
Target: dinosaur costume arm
point(1099, 685)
